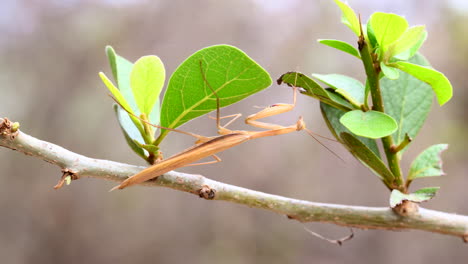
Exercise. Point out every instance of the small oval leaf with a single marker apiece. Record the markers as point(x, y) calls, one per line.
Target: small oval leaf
point(349, 17)
point(115, 92)
point(370, 124)
point(147, 80)
point(389, 72)
point(313, 89)
point(387, 28)
point(410, 38)
point(349, 88)
point(341, 45)
point(428, 163)
point(421, 195)
point(332, 116)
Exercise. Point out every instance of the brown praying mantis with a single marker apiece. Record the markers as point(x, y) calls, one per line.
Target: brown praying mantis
point(209, 146)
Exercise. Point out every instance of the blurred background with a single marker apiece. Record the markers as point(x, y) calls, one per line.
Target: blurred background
point(51, 52)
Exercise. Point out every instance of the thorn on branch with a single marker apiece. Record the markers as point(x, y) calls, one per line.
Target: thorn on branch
point(207, 192)
point(67, 176)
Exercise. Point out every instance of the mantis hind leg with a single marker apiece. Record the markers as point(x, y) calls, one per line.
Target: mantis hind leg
point(272, 110)
point(216, 160)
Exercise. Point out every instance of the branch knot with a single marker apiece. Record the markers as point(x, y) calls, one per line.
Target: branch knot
point(207, 192)
point(8, 129)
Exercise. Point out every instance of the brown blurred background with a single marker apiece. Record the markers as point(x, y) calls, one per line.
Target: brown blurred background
point(51, 52)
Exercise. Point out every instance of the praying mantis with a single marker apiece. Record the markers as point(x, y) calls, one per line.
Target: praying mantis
point(209, 146)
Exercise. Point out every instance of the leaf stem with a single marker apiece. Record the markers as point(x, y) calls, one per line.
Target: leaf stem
point(402, 145)
point(148, 137)
point(161, 136)
point(149, 132)
point(373, 70)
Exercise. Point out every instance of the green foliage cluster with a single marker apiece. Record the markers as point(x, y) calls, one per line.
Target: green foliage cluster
point(229, 71)
point(400, 83)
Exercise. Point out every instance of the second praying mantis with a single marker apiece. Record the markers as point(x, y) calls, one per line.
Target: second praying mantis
point(209, 146)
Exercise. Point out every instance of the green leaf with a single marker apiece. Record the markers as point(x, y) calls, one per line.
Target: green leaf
point(413, 50)
point(371, 124)
point(313, 89)
point(428, 163)
point(112, 57)
point(389, 72)
point(332, 116)
point(408, 100)
point(121, 69)
point(406, 41)
point(129, 130)
point(338, 101)
point(349, 18)
point(68, 180)
point(131, 127)
point(229, 71)
point(371, 36)
point(421, 195)
point(147, 80)
point(297, 79)
point(349, 88)
point(367, 157)
point(341, 45)
point(387, 28)
point(115, 92)
point(437, 80)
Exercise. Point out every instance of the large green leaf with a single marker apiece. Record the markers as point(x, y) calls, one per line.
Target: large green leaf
point(408, 100)
point(313, 89)
point(421, 195)
point(332, 117)
point(230, 72)
point(428, 163)
point(368, 157)
point(349, 17)
point(147, 80)
point(341, 45)
point(437, 80)
point(371, 124)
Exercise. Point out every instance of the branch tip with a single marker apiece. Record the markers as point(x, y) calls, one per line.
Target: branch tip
point(8, 129)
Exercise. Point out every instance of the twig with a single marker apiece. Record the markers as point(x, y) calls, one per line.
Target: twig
point(79, 166)
point(338, 242)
